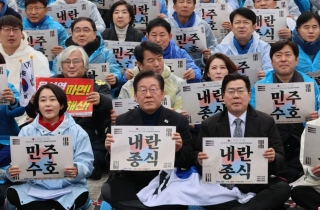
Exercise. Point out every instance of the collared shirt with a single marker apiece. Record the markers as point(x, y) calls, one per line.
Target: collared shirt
point(232, 124)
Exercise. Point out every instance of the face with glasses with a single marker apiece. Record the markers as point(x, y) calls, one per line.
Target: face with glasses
point(36, 12)
point(265, 4)
point(73, 66)
point(83, 33)
point(236, 97)
point(149, 95)
point(10, 37)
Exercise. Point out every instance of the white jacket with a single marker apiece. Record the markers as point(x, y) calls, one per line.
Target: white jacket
point(24, 51)
point(93, 13)
point(310, 178)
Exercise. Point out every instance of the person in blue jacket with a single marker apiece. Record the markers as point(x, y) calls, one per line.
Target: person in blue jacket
point(307, 37)
point(284, 56)
point(84, 33)
point(6, 10)
point(159, 31)
point(37, 19)
point(163, 9)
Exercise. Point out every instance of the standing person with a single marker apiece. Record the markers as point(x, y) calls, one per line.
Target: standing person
point(239, 119)
point(51, 103)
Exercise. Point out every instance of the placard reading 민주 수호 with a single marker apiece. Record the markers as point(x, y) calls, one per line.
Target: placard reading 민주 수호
point(142, 148)
point(41, 157)
point(286, 102)
point(235, 161)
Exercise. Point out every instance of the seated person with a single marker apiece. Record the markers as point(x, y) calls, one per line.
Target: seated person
point(307, 37)
point(93, 12)
point(185, 17)
point(241, 120)
point(243, 39)
point(74, 64)
point(50, 96)
point(308, 197)
point(122, 17)
point(148, 86)
point(284, 56)
point(37, 19)
point(84, 34)
point(284, 33)
point(159, 31)
point(7, 10)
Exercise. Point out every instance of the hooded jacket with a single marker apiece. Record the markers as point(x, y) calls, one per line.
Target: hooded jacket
point(172, 88)
point(93, 13)
point(24, 51)
point(82, 159)
point(7, 10)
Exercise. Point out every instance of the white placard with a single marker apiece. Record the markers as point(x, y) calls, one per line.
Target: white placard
point(43, 41)
point(269, 22)
point(248, 64)
point(3, 83)
point(124, 105)
point(202, 100)
point(192, 39)
point(66, 14)
point(311, 154)
point(286, 102)
point(99, 70)
point(103, 4)
point(142, 148)
point(41, 157)
point(235, 161)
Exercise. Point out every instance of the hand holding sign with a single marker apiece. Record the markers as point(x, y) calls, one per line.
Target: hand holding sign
point(177, 138)
point(14, 171)
point(189, 74)
point(316, 170)
point(129, 74)
point(72, 171)
point(109, 140)
point(7, 94)
point(111, 79)
point(94, 98)
point(261, 74)
point(201, 157)
point(269, 154)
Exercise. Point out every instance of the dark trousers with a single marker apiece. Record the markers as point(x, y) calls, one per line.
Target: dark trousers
point(272, 196)
point(292, 170)
point(306, 197)
point(99, 157)
point(13, 198)
point(133, 204)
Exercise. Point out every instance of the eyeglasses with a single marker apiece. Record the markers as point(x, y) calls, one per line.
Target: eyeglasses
point(85, 30)
point(144, 91)
point(232, 91)
point(74, 61)
point(8, 30)
point(37, 9)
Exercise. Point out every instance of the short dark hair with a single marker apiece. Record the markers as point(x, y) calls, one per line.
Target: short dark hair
point(10, 20)
point(305, 17)
point(43, 2)
point(229, 64)
point(159, 22)
point(129, 8)
point(146, 74)
point(147, 45)
point(277, 46)
point(194, 1)
point(79, 19)
point(57, 91)
point(232, 77)
point(244, 12)
point(2, 60)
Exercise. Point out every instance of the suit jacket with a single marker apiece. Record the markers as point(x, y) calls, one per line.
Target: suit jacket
point(184, 157)
point(258, 124)
point(133, 35)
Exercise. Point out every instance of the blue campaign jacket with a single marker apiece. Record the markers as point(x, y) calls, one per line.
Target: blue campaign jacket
point(8, 125)
point(305, 64)
point(82, 159)
point(176, 52)
point(268, 79)
point(163, 7)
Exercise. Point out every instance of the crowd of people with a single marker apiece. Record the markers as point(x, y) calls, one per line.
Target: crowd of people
point(147, 81)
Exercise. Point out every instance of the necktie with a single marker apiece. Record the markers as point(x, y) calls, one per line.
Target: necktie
point(238, 131)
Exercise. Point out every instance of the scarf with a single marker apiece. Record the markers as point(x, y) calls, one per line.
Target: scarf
point(310, 48)
point(242, 50)
point(4, 8)
point(90, 48)
point(34, 25)
point(190, 22)
point(49, 126)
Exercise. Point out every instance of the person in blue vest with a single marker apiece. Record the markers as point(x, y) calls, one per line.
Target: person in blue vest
point(38, 19)
point(159, 31)
point(284, 56)
point(307, 37)
point(6, 10)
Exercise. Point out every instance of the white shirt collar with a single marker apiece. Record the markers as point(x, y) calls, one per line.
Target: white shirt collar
point(232, 117)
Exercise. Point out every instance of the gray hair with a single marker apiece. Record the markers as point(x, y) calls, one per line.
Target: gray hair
point(66, 53)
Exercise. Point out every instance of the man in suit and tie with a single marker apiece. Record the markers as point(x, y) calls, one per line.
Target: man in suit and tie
point(120, 191)
point(239, 119)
